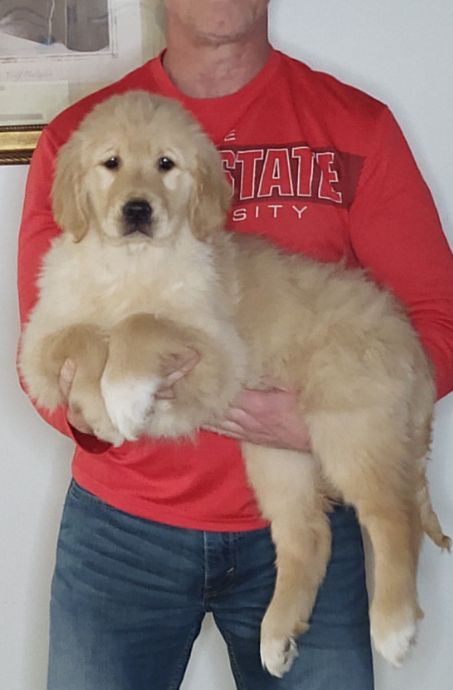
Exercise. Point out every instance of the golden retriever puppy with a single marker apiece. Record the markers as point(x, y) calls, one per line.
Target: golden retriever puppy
point(144, 272)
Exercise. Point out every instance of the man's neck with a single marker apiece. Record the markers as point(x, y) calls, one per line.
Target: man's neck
point(207, 70)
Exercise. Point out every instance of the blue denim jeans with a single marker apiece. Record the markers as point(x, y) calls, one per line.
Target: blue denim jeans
point(129, 596)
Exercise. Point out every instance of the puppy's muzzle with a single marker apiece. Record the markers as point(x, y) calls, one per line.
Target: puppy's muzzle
point(138, 216)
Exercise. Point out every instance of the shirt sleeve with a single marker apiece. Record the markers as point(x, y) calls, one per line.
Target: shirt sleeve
point(397, 236)
point(37, 230)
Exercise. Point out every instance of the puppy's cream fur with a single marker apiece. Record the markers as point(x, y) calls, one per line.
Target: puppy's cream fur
point(129, 307)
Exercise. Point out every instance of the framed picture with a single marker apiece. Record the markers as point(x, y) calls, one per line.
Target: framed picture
point(53, 52)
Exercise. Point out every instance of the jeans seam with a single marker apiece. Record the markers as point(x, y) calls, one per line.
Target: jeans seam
point(206, 572)
point(234, 663)
point(180, 667)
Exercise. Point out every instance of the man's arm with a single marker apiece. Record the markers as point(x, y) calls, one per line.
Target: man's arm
point(37, 231)
point(397, 236)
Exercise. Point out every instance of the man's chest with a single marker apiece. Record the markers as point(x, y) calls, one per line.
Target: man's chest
point(294, 173)
point(297, 194)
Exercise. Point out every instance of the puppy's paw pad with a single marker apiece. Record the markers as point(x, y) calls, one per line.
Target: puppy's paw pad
point(277, 655)
point(130, 404)
point(395, 645)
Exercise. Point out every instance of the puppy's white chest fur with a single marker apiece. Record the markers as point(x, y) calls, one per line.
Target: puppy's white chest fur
point(105, 283)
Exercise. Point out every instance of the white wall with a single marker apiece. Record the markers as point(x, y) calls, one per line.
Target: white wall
point(400, 51)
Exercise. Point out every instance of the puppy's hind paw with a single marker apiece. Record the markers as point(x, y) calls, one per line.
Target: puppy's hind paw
point(395, 644)
point(278, 655)
point(130, 404)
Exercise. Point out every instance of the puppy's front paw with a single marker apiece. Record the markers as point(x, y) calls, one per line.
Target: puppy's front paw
point(86, 398)
point(108, 434)
point(130, 404)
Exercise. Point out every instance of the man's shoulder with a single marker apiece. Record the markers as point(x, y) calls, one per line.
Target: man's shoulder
point(61, 127)
point(321, 90)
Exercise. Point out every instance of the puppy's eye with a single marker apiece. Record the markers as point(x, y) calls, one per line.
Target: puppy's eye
point(164, 163)
point(112, 163)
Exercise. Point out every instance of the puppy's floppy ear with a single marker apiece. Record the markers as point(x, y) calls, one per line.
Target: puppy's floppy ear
point(211, 197)
point(69, 200)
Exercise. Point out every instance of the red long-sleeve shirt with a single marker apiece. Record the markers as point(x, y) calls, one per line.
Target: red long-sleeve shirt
point(318, 167)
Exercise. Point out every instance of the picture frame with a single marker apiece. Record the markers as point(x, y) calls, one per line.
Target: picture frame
point(53, 54)
point(17, 143)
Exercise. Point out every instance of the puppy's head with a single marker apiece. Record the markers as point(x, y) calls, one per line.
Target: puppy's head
point(138, 169)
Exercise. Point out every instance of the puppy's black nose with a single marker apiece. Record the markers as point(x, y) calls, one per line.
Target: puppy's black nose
point(137, 212)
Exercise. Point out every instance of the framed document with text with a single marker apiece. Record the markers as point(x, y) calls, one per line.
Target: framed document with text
point(53, 52)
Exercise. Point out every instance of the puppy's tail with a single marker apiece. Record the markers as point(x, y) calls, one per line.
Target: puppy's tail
point(430, 521)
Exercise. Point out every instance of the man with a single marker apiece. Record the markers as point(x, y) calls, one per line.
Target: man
point(154, 535)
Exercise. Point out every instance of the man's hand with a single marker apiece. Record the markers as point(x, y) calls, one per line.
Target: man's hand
point(74, 413)
point(176, 367)
point(267, 418)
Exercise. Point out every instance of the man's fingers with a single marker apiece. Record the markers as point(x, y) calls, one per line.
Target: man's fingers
point(243, 419)
point(74, 413)
point(176, 367)
point(269, 383)
point(66, 378)
point(165, 394)
point(182, 364)
point(227, 428)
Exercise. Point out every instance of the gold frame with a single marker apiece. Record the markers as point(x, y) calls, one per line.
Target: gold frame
point(17, 143)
